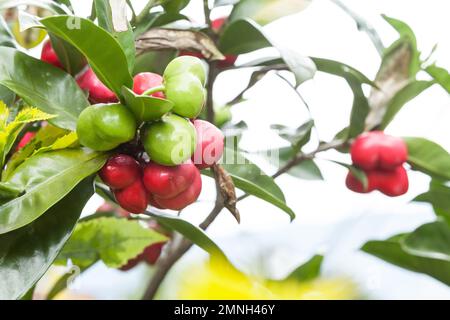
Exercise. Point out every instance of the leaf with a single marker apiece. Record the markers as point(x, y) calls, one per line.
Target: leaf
point(64, 142)
point(189, 231)
point(391, 251)
point(439, 197)
point(358, 173)
point(431, 240)
point(46, 179)
point(112, 240)
point(355, 80)
point(297, 137)
point(160, 38)
point(6, 37)
point(28, 252)
point(49, 5)
point(406, 94)
point(156, 19)
point(154, 61)
point(100, 49)
point(301, 66)
point(71, 59)
point(8, 191)
point(250, 179)
point(45, 137)
point(307, 271)
point(242, 36)
point(43, 87)
point(146, 108)
point(265, 11)
point(10, 133)
point(406, 33)
point(441, 76)
point(174, 5)
point(392, 76)
point(428, 157)
point(112, 16)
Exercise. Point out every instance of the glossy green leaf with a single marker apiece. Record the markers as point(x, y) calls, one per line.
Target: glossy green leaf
point(429, 157)
point(28, 252)
point(441, 75)
point(10, 132)
point(45, 137)
point(154, 61)
point(265, 11)
point(301, 66)
point(112, 16)
point(439, 197)
point(306, 169)
point(46, 179)
point(307, 271)
point(112, 240)
point(43, 87)
point(431, 240)
point(358, 173)
point(297, 137)
point(146, 108)
point(100, 48)
point(242, 36)
point(156, 19)
point(360, 108)
point(391, 250)
point(406, 94)
point(174, 5)
point(71, 59)
point(189, 231)
point(341, 69)
point(250, 179)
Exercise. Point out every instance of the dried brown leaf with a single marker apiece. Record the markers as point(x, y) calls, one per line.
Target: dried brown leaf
point(161, 38)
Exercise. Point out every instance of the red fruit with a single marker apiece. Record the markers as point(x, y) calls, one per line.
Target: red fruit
point(210, 143)
point(146, 80)
point(98, 92)
point(49, 55)
point(168, 182)
point(152, 202)
point(120, 171)
point(374, 149)
point(217, 24)
point(185, 198)
point(392, 183)
point(133, 198)
point(27, 137)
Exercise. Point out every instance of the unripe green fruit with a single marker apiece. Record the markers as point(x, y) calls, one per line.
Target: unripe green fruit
point(170, 141)
point(187, 94)
point(222, 115)
point(183, 65)
point(103, 127)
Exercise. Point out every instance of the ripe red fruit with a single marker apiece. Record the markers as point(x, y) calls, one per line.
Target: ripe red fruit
point(392, 183)
point(147, 80)
point(168, 182)
point(210, 144)
point(120, 171)
point(133, 198)
point(98, 92)
point(27, 137)
point(49, 55)
point(374, 149)
point(218, 23)
point(187, 197)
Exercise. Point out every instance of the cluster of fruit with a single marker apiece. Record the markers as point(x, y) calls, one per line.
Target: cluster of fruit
point(381, 157)
point(176, 146)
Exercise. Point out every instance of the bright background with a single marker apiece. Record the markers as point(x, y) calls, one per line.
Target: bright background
point(330, 219)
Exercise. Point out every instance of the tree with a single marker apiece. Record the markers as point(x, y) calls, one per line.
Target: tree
point(114, 96)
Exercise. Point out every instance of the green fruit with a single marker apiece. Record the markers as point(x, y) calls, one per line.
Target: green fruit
point(103, 127)
point(187, 94)
point(170, 141)
point(222, 115)
point(183, 65)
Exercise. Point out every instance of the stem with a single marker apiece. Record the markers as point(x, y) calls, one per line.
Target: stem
point(154, 90)
point(145, 11)
point(207, 12)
